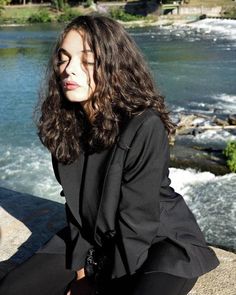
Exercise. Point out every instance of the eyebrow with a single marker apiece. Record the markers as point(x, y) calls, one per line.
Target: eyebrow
point(86, 50)
point(64, 51)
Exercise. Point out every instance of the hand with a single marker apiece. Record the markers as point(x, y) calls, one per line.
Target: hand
point(81, 287)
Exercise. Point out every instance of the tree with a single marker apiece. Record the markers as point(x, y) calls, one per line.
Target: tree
point(4, 2)
point(59, 5)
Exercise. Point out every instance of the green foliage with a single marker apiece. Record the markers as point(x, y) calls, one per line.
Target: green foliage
point(2, 3)
point(42, 16)
point(59, 5)
point(67, 15)
point(230, 153)
point(120, 14)
point(230, 13)
point(89, 3)
point(5, 2)
point(1, 10)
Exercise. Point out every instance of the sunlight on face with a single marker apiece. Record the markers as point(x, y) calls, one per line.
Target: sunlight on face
point(76, 66)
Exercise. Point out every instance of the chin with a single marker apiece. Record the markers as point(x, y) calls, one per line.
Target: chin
point(76, 99)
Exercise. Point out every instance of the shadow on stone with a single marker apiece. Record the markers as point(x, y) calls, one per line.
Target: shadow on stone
point(26, 223)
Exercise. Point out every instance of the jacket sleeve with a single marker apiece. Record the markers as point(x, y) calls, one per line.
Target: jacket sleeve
point(77, 244)
point(139, 209)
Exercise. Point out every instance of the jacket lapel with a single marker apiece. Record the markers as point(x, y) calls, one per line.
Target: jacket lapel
point(71, 176)
point(106, 217)
point(110, 197)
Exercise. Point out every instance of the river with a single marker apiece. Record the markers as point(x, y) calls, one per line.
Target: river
point(193, 65)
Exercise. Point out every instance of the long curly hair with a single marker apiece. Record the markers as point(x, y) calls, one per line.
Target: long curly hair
point(124, 88)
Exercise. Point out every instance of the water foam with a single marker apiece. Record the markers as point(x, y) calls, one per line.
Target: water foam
point(214, 138)
point(219, 103)
point(212, 200)
point(29, 170)
point(225, 28)
point(225, 102)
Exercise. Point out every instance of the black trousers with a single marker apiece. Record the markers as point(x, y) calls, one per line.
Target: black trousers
point(155, 283)
point(45, 274)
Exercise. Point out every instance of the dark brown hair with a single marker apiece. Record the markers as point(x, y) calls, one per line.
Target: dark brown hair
point(124, 88)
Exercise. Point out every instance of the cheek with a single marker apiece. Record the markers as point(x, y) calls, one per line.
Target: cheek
point(91, 75)
point(61, 71)
point(62, 68)
point(86, 79)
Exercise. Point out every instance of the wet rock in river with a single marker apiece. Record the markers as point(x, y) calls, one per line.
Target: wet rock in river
point(232, 119)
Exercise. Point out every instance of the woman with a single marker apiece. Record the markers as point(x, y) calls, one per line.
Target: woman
point(107, 130)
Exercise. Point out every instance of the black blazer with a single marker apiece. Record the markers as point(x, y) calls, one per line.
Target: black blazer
point(126, 190)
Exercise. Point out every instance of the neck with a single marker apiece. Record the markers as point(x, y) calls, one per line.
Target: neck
point(87, 108)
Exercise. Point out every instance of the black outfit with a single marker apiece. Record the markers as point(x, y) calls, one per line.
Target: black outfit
point(155, 283)
point(124, 192)
point(45, 274)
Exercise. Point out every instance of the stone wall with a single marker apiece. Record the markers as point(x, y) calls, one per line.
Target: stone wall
point(209, 11)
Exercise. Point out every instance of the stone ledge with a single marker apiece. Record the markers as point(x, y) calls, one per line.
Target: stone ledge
point(220, 281)
point(26, 223)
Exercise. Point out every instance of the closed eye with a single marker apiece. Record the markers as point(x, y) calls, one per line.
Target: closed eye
point(87, 60)
point(90, 63)
point(63, 56)
point(60, 62)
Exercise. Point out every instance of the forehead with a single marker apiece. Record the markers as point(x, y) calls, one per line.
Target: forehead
point(74, 44)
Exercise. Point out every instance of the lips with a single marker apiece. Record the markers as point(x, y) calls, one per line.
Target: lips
point(70, 85)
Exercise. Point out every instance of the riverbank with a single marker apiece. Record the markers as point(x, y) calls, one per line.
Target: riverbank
point(131, 14)
point(28, 14)
point(189, 149)
point(37, 220)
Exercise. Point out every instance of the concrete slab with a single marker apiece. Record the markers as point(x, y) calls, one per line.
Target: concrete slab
point(26, 223)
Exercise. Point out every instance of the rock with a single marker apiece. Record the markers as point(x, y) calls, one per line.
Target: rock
point(186, 121)
point(187, 151)
point(232, 119)
point(186, 131)
point(183, 156)
point(219, 121)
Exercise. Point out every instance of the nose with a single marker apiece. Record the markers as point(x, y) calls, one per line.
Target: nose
point(74, 67)
point(70, 68)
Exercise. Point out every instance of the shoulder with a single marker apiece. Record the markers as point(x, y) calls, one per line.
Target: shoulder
point(147, 119)
point(149, 140)
point(145, 123)
point(151, 119)
point(143, 132)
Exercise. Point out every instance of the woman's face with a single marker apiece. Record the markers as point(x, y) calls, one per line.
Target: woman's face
point(76, 66)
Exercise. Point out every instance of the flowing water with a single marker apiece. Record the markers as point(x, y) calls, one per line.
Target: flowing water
point(193, 65)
